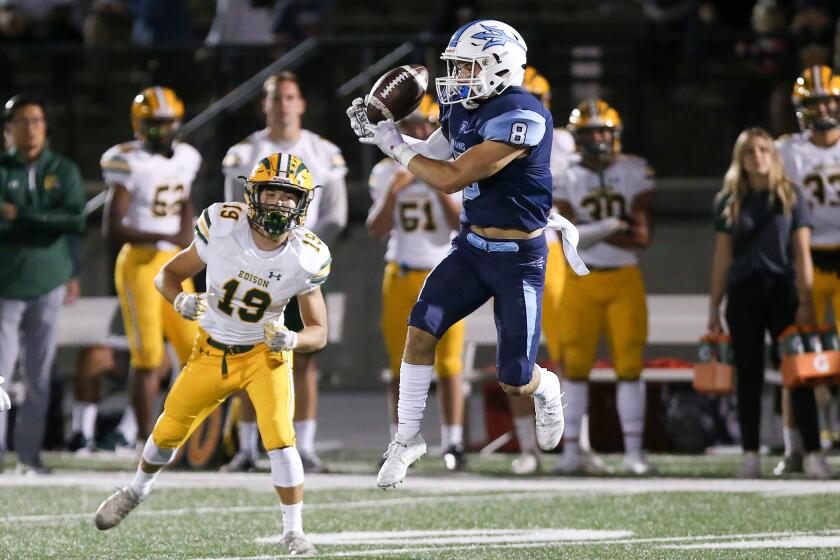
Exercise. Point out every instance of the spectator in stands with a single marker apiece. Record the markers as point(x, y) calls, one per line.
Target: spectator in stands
point(14, 27)
point(812, 29)
point(242, 22)
point(42, 202)
point(299, 20)
point(762, 262)
point(161, 22)
point(108, 23)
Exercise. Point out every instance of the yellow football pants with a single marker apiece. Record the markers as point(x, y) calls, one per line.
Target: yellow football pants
point(147, 316)
point(202, 386)
point(613, 302)
point(399, 293)
point(555, 279)
point(826, 291)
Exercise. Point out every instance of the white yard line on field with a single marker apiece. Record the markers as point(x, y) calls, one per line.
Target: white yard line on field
point(356, 504)
point(414, 544)
point(464, 483)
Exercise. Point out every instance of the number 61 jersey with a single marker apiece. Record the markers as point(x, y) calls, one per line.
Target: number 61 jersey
point(247, 287)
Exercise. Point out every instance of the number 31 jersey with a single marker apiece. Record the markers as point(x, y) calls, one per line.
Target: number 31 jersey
point(595, 196)
point(159, 185)
point(816, 171)
point(247, 287)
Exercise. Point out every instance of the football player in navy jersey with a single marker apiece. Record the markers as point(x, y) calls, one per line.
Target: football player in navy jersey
point(494, 145)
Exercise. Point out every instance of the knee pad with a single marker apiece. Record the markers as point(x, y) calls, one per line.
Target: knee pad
point(155, 455)
point(286, 467)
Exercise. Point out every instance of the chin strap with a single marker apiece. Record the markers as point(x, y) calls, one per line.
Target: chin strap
point(570, 236)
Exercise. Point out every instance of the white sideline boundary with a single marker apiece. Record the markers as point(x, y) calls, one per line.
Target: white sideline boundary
point(456, 484)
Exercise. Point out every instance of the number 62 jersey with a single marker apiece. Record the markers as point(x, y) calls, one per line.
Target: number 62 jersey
point(247, 287)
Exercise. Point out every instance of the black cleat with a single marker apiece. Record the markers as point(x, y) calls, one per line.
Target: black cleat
point(454, 458)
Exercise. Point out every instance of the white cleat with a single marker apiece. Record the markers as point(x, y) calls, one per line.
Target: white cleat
point(526, 463)
point(398, 457)
point(637, 465)
point(296, 544)
point(550, 422)
point(115, 508)
point(816, 466)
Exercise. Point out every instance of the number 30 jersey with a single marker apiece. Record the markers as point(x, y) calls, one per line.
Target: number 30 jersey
point(421, 234)
point(247, 287)
point(816, 171)
point(595, 196)
point(159, 185)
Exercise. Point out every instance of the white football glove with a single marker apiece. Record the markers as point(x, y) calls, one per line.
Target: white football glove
point(387, 138)
point(5, 401)
point(278, 337)
point(357, 113)
point(191, 306)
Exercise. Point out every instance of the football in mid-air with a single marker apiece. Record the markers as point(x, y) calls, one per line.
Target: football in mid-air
point(397, 93)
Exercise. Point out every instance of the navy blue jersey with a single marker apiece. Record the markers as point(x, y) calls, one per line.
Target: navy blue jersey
point(518, 196)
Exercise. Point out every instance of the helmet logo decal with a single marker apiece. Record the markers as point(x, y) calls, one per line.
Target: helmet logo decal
point(494, 37)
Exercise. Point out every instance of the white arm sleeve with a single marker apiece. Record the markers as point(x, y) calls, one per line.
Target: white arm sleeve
point(435, 146)
point(594, 232)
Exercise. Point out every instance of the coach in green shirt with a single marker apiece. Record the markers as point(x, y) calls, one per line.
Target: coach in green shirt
point(41, 202)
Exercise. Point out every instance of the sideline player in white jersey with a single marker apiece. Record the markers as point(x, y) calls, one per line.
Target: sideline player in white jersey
point(419, 223)
point(257, 257)
point(522, 408)
point(812, 161)
point(284, 107)
point(150, 213)
point(607, 194)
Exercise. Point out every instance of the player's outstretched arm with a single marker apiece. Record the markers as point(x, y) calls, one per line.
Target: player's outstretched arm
point(477, 163)
point(313, 313)
point(185, 264)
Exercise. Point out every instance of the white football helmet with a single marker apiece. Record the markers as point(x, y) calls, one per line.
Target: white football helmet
point(498, 51)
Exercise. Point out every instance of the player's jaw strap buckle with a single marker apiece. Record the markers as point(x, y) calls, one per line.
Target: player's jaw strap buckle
point(229, 349)
point(492, 246)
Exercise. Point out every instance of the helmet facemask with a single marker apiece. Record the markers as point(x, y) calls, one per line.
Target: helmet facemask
point(598, 149)
point(273, 220)
point(810, 116)
point(157, 137)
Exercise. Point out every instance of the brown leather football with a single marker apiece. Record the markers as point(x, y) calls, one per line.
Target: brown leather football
point(397, 93)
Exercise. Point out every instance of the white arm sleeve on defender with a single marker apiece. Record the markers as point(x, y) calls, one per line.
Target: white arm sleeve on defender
point(594, 232)
point(435, 146)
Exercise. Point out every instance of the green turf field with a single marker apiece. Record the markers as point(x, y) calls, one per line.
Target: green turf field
point(689, 513)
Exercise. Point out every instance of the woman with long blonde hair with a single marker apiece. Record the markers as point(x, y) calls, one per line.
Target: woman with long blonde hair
point(762, 262)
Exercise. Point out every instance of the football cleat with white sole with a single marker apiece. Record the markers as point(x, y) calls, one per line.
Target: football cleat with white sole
point(296, 544)
point(550, 422)
point(816, 466)
point(526, 463)
point(398, 457)
point(637, 465)
point(115, 508)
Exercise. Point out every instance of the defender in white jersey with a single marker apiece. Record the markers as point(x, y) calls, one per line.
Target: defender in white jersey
point(607, 194)
point(149, 212)
point(284, 106)
point(812, 161)
point(419, 223)
point(257, 257)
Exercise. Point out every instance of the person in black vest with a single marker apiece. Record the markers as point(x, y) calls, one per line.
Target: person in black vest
point(762, 263)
